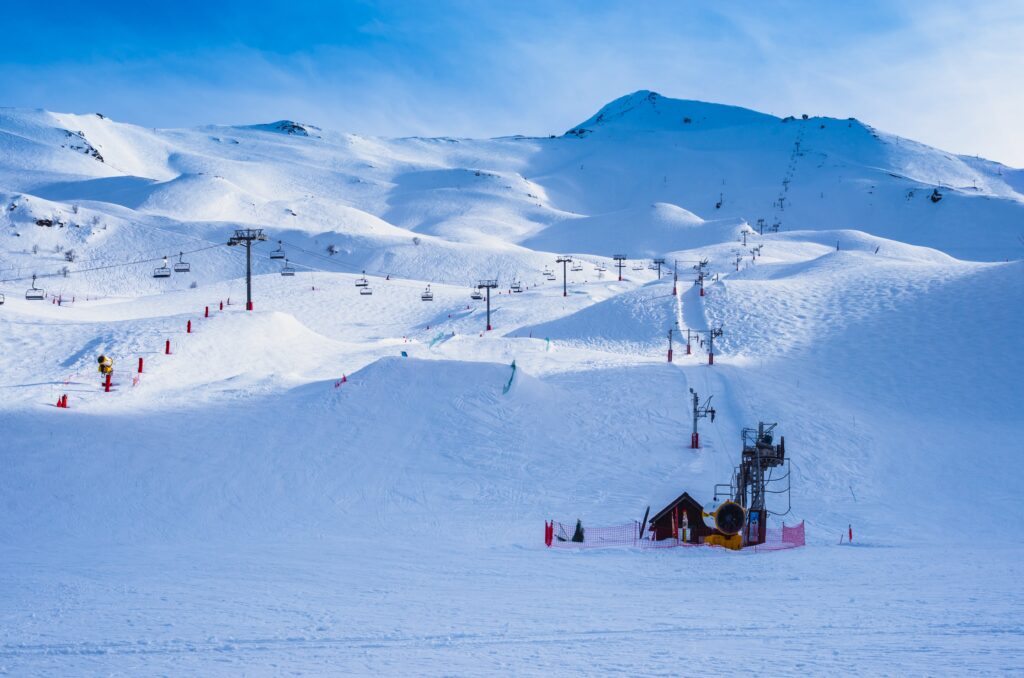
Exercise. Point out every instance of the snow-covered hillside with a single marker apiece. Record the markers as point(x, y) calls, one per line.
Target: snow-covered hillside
point(339, 482)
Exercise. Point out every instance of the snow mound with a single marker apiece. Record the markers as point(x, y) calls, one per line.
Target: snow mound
point(635, 321)
point(639, 232)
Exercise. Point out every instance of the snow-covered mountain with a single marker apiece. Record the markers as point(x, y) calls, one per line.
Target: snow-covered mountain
point(343, 482)
point(646, 175)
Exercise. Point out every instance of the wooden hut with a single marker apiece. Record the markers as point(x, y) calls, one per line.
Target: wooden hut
point(666, 523)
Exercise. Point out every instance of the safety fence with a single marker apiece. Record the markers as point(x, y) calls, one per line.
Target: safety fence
point(560, 535)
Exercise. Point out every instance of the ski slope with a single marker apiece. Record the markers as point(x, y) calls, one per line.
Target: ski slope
point(338, 483)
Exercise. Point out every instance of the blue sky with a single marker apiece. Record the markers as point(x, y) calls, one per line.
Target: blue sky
point(946, 73)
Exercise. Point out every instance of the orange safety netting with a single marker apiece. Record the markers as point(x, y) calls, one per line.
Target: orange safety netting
point(560, 535)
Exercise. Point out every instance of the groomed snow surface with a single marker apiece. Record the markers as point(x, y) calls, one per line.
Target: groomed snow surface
point(287, 493)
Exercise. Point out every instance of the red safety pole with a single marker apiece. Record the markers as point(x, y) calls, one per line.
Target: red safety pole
point(248, 306)
point(670, 355)
point(851, 532)
point(140, 365)
point(222, 305)
point(206, 313)
point(695, 440)
point(167, 347)
point(188, 327)
point(106, 385)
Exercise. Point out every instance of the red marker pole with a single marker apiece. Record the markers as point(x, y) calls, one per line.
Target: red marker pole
point(206, 313)
point(850, 528)
point(106, 384)
point(167, 347)
point(222, 305)
point(188, 327)
point(140, 365)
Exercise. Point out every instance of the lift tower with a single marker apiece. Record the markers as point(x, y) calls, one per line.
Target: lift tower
point(620, 261)
point(245, 236)
point(488, 285)
point(700, 411)
point(564, 260)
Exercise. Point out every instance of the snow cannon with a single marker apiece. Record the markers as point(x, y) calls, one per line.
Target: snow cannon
point(105, 365)
point(729, 518)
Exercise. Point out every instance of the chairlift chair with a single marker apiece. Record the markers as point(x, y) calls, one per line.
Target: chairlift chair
point(576, 266)
point(162, 271)
point(362, 282)
point(365, 290)
point(476, 295)
point(34, 293)
point(279, 252)
point(1, 299)
point(287, 270)
point(516, 287)
point(182, 266)
point(638, 265)
point(427, 295)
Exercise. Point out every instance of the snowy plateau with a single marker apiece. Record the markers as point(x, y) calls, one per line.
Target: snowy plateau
point(351, 480)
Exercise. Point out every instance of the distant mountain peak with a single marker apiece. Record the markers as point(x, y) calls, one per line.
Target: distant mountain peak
point(289, 127)
point(645, 110)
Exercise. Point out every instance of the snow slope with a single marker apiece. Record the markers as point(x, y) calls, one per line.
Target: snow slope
point(343, 483)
